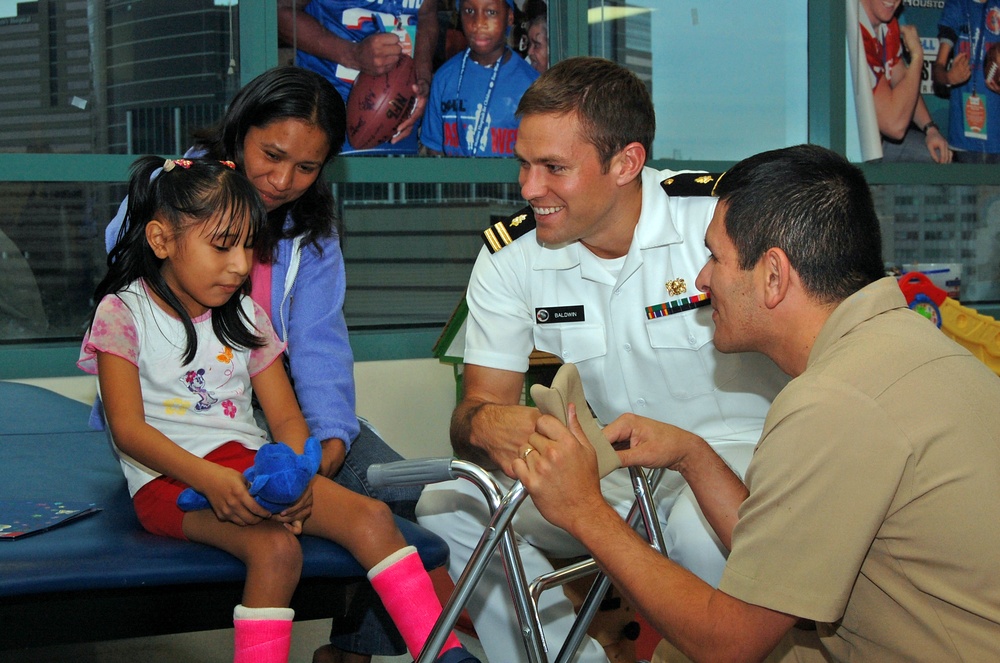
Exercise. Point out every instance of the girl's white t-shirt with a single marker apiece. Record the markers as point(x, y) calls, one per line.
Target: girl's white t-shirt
point(199, 406)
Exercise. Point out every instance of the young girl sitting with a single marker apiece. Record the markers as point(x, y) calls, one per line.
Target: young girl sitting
point(179, 348)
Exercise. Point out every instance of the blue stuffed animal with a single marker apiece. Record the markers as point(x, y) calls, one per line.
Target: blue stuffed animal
point(277, 477)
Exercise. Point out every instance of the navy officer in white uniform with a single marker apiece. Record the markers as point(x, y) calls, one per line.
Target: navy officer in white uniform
point(599, 270)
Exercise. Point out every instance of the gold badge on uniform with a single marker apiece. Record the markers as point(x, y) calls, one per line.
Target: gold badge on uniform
point(704, 179)
point(676, 287)
point(516, 221)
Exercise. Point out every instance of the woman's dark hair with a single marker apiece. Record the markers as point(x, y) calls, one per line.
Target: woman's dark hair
point(278, 94)
point(197, 192)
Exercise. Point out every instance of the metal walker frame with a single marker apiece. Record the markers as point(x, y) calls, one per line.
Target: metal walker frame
point(499, 534)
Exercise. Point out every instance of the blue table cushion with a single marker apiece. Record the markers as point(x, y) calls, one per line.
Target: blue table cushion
point(25, 408)
point(48, 453)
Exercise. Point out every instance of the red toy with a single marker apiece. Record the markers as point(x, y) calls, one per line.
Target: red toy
point(377, 105)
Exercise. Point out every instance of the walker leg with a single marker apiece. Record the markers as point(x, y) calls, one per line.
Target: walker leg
point(497, 533)
point(644, 512)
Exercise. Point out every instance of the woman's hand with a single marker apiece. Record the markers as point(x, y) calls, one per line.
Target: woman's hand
point(334, 453)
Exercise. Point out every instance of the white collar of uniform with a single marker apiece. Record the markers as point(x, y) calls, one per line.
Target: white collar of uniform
point(656, 223)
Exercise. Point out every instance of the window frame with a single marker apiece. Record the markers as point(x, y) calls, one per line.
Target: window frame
point(827, 107)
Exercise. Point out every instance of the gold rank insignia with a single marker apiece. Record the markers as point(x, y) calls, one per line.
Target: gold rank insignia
point(502, 233)
point(691, 184)
point(676, 287)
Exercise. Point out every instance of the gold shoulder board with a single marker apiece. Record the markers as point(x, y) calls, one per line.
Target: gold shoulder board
point(502, 233)
point(691, 184)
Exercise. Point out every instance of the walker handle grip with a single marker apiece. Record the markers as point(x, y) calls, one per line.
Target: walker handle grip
point(415, 472)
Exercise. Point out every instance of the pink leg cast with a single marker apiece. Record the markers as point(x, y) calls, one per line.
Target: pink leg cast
point(262, 635)
point(409, 597)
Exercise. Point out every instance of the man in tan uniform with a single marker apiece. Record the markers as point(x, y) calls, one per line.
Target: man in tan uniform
point(871, 502)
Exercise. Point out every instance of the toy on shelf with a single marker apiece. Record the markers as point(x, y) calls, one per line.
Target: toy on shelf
point(978, 333)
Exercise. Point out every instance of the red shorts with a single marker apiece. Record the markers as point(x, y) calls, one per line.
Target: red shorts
point(156, 502)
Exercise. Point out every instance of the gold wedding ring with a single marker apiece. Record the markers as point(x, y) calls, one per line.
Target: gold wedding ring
point(527, 451)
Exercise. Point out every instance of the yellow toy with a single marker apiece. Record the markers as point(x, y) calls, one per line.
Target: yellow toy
point(978, 333)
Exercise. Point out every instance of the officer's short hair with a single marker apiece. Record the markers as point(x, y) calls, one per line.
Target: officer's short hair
point(613, 105)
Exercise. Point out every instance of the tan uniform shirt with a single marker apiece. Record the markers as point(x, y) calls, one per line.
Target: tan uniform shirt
point(874, 501)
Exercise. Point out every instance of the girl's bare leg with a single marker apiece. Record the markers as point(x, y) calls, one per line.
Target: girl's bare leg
point(367, 529)
point(364, 526)
point(272, 555)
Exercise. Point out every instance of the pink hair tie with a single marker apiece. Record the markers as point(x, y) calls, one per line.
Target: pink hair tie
point(169, 164)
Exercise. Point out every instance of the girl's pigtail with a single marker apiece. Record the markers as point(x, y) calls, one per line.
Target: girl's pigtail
point(131, 258)
point(155, 194)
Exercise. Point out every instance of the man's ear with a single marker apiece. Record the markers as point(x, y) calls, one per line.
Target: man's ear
point(777, 276)
point(629, 162)
point(158, 237)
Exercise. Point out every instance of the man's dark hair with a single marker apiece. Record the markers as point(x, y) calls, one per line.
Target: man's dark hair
point(613, 105)
point(816, 207)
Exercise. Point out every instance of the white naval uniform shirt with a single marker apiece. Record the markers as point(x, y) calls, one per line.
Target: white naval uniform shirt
point(665, 368)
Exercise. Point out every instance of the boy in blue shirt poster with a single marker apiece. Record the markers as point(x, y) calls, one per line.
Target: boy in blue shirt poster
point(474, 95)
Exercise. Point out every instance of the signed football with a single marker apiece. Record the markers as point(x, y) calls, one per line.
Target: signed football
point(991, 66)
point(377, 105)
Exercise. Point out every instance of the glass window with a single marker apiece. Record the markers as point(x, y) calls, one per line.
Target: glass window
point(51, 256)
point(409, 248)
point(950, 224)
point(104, 77)
point(408, 251)
point(728, 78)
point(968, 137)
point(114, 77)
point(470, 118)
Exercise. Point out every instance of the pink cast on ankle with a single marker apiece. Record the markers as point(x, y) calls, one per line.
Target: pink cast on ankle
point(262, 635)
point(409, 597)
